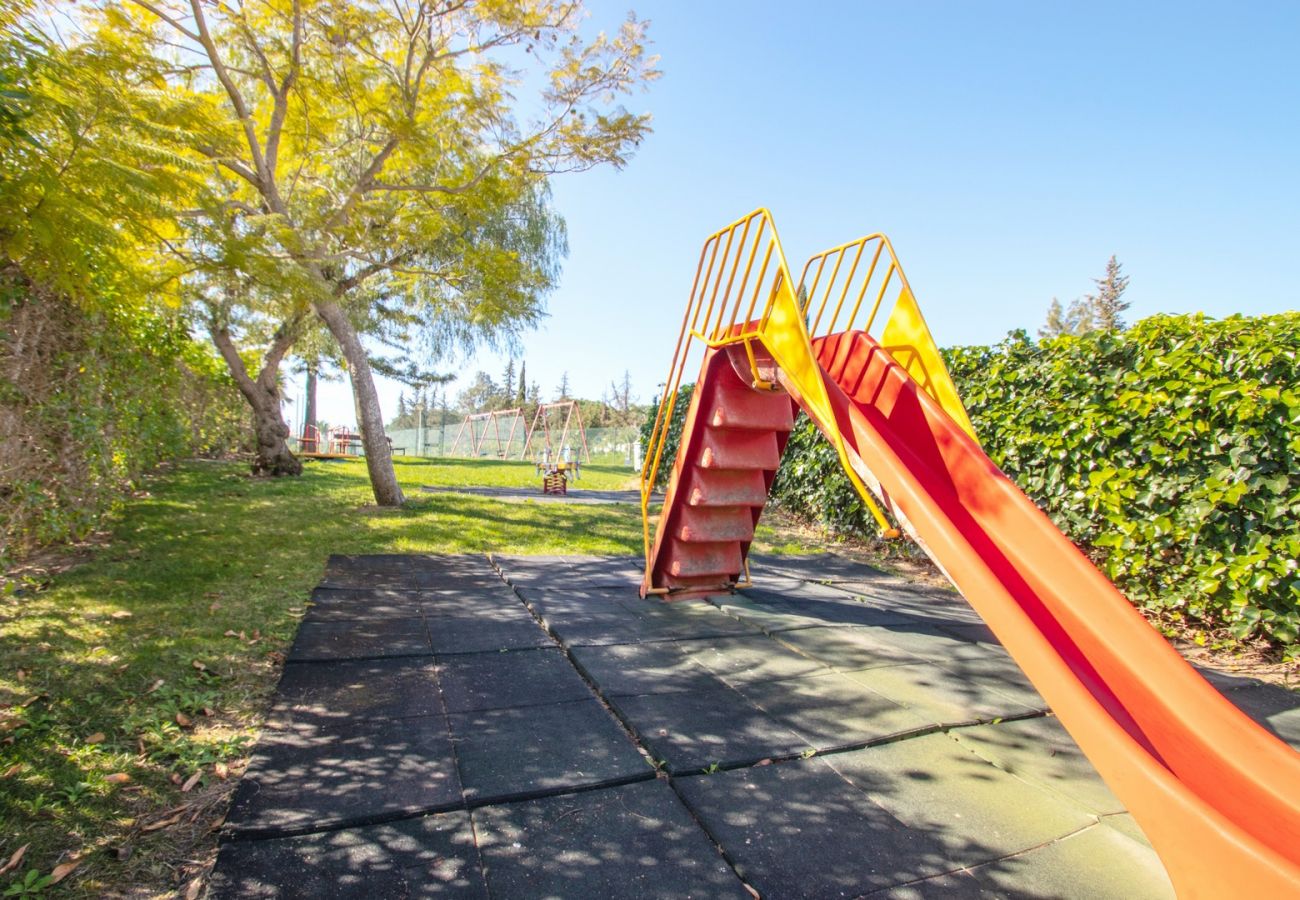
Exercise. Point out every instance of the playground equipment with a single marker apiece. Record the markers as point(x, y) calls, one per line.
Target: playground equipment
point(556, 474)
point(543, 419)
point(1216, 794)
point(490, 420)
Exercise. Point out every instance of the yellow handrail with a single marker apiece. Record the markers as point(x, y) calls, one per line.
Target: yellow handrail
point(780, 328)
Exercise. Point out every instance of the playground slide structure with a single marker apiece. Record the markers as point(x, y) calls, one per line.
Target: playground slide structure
point(1216, 794)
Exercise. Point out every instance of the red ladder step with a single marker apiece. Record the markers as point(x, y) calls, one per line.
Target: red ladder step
point(716, 523)
point(692, 560)
point(750, 410)
point(739, 450)
point(725, 487)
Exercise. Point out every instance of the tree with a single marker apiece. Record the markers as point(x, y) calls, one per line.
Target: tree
point(508, 384)
point(1108, 304)
point(479, 395)
point(562, 391)
point(1077, 319)
point(1102, 310)
point(379, 149)
point(523, 384)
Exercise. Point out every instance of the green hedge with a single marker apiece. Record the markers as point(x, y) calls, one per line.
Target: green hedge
point(1170, 452)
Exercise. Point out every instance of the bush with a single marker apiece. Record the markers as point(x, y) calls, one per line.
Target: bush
point(1168, 451)
point(91, 398)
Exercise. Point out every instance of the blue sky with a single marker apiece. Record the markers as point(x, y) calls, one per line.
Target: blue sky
point(1007, 149)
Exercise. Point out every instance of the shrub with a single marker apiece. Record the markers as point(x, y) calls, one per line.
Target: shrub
point(1168, 451)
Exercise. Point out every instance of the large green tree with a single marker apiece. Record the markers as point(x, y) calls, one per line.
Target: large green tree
point(394, 152)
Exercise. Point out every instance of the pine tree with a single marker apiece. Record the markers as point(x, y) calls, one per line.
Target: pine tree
point(1108, 304)
point(1055, 326)
point(520, 397)
point(508, 383)
point(562, 392)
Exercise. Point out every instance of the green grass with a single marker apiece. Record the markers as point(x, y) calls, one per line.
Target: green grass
point(154, 658)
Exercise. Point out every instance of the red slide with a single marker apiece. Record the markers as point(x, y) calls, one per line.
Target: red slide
point(1217, 795)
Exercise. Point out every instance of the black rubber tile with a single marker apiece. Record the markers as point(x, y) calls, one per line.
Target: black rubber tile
point(331, 695)
point(555, 572)
point(499, 605)
point(831, 711)
point(975, 809)
point(750, 658)
point(338, 605)
point(433, 856)
point(480, 681)
point(408, 563)
point(519, 753)
point(623, 572)
point(594, 627)
point(470, 635)
point(822, 567)
point(942, 695)
point(300, 779)
point(1272, 706)
point(930, 642)
point(1041, 752)
point(797, 829)
point(632, 841)
point(693, 731)
point(360, 640)
point(687, 620)
point(424, 581)
point(836, 609)
point(630, 669)
point(846, 648)
point(571, 601)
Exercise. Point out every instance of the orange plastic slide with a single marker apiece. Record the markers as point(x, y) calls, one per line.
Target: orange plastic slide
point(1217, 795)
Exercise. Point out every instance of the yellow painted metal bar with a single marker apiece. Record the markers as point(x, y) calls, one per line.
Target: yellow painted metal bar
point(783, 329)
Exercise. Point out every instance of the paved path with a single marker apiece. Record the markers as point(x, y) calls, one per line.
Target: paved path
point(528, 727)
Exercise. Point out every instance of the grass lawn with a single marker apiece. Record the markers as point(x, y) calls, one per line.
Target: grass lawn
point(132, 684)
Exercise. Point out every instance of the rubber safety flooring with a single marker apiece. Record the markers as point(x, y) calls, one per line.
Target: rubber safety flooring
point(528, 727)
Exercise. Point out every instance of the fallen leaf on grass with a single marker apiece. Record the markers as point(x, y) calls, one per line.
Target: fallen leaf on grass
point(209, 711)
point(191, 781)
point(214, 606)
point(192, 892)
point(97, 738)
point(183, 720)
point(162, 823)
point(63, 870)
point(176, 778)
point(230, 632)
point(122, 614)
point(221, 770)
point(198, 665)
point(12, 770)
point(15, 859)
point(117, 778)
point(157, 684)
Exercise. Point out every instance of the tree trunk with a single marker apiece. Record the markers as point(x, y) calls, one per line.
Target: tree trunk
point(263, 395)
point(309, 414)
point(379, 456)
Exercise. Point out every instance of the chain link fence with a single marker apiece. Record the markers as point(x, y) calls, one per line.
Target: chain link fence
point(607, 446)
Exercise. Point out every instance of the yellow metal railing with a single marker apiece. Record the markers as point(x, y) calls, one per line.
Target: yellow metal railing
point(869, 268)
point(726, 281)
point(863, 277)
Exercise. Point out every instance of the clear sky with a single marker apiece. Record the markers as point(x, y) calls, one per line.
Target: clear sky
point(1008, 149)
